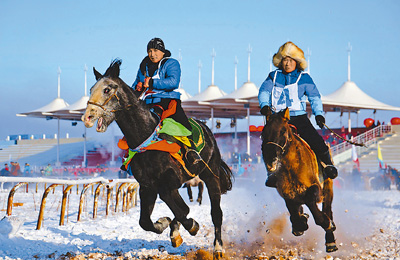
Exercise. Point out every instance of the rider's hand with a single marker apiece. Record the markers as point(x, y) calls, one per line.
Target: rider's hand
point(146, 82)
point(139, 86)
point(320, 120)
point(266, 111)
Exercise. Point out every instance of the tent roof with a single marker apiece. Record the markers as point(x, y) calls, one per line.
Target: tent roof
point(57, 103)
point(184, 95)
point(350, 97)
point(211, 92)
point(246, 91)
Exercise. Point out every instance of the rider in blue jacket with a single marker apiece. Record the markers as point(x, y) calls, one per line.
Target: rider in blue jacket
point(290, 87)
point(159, 77)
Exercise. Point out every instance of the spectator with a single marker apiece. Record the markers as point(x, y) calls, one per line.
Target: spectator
point(48, 170)
point(15, 169)
point(27, 169)
point(5, 171)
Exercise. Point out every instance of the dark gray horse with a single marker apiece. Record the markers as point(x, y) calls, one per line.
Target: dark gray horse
point(156, 171)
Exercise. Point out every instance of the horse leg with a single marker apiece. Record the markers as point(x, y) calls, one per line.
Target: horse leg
point(214, 192)
point(297, 217)
point(180, 210)
point(321, 218)
point(147, 200)
point(189, 191)
point(200, 196)
point(330, 242)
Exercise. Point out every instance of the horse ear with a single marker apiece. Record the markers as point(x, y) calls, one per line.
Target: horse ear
point(287, 114)
point(97, 74)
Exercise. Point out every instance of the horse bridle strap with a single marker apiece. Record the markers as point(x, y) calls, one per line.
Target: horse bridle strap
point(106, 101)
point(278, 145)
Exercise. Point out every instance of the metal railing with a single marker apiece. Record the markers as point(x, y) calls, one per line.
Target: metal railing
point(368, 138)
point(127, 190)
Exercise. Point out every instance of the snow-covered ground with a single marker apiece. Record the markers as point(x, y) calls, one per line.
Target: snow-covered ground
point(256, 225)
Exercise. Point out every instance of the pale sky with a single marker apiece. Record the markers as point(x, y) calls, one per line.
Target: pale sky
point(37, 37)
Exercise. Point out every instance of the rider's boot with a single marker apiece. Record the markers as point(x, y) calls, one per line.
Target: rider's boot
point(271, 181)
point(329, 169)
point(191, 155)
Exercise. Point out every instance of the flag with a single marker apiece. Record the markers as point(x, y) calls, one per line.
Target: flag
point(380, 159)
point(355, 157)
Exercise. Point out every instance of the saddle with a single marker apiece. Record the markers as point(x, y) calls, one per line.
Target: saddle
point(169, 136)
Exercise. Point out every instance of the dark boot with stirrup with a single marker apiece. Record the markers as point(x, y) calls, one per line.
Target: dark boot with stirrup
point(271, 181)
point(329, 169)
point(192, 156)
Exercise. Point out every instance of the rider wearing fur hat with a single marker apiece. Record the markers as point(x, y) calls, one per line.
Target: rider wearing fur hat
point(290, 87)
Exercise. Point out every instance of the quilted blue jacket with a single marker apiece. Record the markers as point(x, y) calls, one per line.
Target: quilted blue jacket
point(165, 80)
point(306, 90)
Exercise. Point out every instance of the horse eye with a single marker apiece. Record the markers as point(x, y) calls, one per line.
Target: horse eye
point(106, 90)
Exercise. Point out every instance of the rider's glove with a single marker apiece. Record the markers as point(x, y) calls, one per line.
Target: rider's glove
point(320, 120)
point(266, 111)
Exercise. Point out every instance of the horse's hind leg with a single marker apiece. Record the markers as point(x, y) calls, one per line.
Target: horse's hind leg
point(200, 196)
point(147, 200)
point(214, 193)
point(321, 218)
point(189, 191)
point(297, 217)
point(330, 242)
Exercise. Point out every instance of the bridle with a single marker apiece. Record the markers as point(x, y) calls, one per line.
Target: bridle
point(278, 145)
point(106, 101)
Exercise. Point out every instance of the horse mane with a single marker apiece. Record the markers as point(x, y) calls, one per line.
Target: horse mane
point(114, 69)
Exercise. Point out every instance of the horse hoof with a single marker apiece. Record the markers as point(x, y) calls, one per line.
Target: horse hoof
point(218, 255)
point(331, 247)
point(195, 228)
point(297, 233)
point(176, 240)
point(191, 200)
point(162, 223)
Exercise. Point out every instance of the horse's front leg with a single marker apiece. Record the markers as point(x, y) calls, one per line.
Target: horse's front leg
point(148, 198)
point(297, 217)
point(180, 210)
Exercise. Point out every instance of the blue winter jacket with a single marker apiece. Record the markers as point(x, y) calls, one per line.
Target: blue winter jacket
point(306, 89)
point(165, 80)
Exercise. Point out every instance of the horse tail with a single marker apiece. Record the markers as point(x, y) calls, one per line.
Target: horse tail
point(225, 177)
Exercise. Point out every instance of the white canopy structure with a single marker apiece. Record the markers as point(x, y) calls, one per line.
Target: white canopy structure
point(46, 112)
point(349, 97)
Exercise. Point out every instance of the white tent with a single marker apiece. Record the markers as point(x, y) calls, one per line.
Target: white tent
point(349, 97)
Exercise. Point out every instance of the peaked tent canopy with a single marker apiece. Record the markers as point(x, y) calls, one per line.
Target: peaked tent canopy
point(57, 103)
point(349, 97)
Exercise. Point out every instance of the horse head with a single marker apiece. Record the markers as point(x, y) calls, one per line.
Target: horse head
point(275, 138)
point(108, 95)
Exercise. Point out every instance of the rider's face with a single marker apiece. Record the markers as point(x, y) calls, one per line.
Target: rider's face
point(155, 55)
point(288, 64)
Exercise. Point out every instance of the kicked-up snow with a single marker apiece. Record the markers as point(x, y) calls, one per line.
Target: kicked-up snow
point(256, 226)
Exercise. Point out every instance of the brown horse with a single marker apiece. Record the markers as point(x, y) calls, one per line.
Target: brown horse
point(298, 176)
point(157, 172)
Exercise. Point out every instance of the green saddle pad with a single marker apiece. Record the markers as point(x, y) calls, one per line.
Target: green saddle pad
point(198, 134)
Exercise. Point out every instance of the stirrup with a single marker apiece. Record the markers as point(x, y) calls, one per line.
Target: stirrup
point(196, 156)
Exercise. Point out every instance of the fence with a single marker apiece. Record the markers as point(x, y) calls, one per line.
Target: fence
point(126, 189)
point(368, 138)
